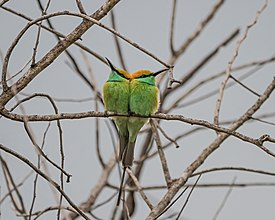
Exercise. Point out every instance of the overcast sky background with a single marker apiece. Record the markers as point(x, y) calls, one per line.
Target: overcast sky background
point(147, 23)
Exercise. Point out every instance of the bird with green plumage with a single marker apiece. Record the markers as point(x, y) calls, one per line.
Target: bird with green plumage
point(127, 93)
point(116, 95)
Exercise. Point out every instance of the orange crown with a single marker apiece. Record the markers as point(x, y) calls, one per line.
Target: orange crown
point(139, 73)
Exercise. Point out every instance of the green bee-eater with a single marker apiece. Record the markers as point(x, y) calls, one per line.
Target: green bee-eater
point(130, 93)
point(116, 95)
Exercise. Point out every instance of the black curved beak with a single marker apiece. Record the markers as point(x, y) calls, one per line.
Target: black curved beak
point(110, 64)
point(158, 72)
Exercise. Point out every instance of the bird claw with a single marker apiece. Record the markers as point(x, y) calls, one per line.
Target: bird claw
point(106, 115)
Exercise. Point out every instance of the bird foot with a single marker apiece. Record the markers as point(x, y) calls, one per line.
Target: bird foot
point(106, 114)
point(133, 114)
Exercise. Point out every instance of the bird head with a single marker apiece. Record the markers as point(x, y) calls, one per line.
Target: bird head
point(120, 72)
point(140, 74)
point(145, 73)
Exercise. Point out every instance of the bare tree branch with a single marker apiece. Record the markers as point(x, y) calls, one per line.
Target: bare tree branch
point(146, 200)
point(199, 28)
point(47, 178)
point(231, 62)
point(207, 151)
point(118, 46)
point(224, 200)
point(181, 118)
point(51, 55)
point(85, 48)
point(16, 197)
point(163, 160)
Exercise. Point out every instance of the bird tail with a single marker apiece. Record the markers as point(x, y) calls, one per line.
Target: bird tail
point(121, 186)
point(128, 155)
point(123, 143)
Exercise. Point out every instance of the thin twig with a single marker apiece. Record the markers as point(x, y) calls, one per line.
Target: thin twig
point(145, 148)
point(30, 133)
point(76, 68)
point(186, 77)
point(117, 44)
point(38, 34)
point(263, 121)
point(202, 185)
point(231, 62)
point(233, 168)
point(46, 177)
point(121, 186)
point(224, 200)
point(163, 160)
point(34, 188)
point(21, 183)
point(172, 203)
point(167, 137)
point(104, 202)
point(188, 197)
point(185, 134)
point(216, 91)
point(255, 64)
point(38, 166)
point(243, 85)
point(75, 65)
point(62, 157)
point(172, 27)
point(80, 7)
point(38, 214)
point(96, 94)
point(199, 28)
point(135, 180)
point(172, 80)
point(122, 37)
point(20, 71)
point(71, 100)
point(17, 199)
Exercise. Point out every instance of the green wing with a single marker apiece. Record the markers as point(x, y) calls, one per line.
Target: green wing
point(116, 99)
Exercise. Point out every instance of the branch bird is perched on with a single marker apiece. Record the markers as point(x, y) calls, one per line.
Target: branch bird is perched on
point(130, 93)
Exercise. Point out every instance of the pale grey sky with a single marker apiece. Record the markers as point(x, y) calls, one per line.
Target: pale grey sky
point(147, 23)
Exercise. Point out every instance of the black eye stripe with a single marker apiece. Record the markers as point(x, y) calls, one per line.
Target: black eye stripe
point(144, 76)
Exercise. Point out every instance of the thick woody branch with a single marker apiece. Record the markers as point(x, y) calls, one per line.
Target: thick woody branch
point(83, 47)
point(3, 2)
point(206, 152)
point(51, 55)
point(191, 121)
